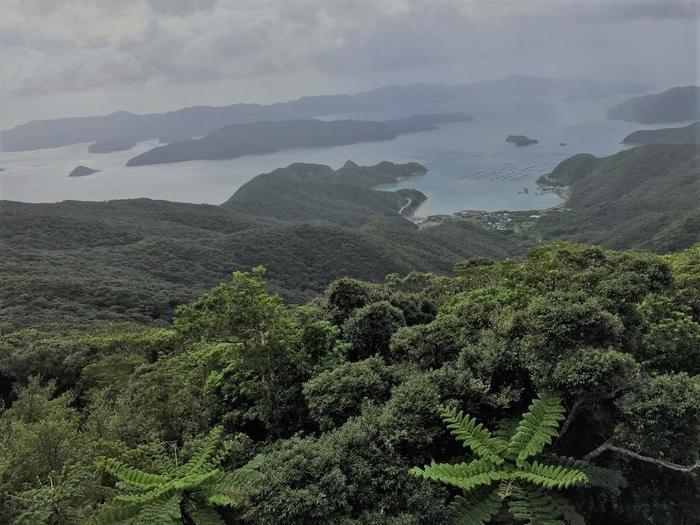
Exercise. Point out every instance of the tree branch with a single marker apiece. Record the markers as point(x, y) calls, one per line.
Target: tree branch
point(570, 417)
point(573, 413)
point(659, 462)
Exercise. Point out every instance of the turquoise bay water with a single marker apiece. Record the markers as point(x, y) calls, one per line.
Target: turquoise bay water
point(470, 164)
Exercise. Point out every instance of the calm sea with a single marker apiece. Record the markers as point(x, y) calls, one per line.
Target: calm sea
point(470, 164)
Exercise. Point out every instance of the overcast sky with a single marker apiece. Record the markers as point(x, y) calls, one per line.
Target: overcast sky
point(78, 57)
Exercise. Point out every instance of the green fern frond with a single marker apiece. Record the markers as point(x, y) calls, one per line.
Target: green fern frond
point(473, 435)
point(176, 486)
point(162, 512)
point(600, 477)
point(538, 427)
point(132, 477)
point(228, 488)
point(522, 483)
point(505, 489)
point(473, 510)
point(206, 456)
point(534, 507)
point(465, 476)
point(157, 498)
point(550, 476)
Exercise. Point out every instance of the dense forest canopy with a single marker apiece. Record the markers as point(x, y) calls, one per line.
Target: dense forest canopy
point(501, 327)
point(370, 371)
point(336, 400)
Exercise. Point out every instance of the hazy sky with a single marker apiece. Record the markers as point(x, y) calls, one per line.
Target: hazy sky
point(78, 57)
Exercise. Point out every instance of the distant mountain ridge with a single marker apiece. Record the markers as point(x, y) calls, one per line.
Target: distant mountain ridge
point(685, 135)
point(197, 121)
point(677, 104)
point(237, 140)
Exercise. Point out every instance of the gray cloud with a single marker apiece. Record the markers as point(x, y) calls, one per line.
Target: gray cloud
point(180, 7)
point(51, 47)
point(654, 9)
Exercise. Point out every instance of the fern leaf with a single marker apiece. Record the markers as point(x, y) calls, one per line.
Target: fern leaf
point(550, 476)
point(130, 476)
point(600, 477)
point(205, 457)
point(176, 486)
point(228, 488)
point(537, 428)
point(205, 516)
point(466, 476)
point(533, 507)
point(162, 512)
point(475, 436)
point(473, 510)
point(505, 489)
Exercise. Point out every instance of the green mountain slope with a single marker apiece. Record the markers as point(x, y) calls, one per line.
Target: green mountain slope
point(317, 194)
point(646, 197)
point(83, 262)
point(673, 105)
point(685, 135)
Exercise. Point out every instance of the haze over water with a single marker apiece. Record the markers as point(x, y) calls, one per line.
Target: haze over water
point(470, 164)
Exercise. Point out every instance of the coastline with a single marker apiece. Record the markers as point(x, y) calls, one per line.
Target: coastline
point(501, 220)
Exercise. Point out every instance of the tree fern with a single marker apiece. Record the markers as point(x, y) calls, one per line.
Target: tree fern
point(599, 477)
point(550, 476)
point(538, 427)
point(469, 510)
point(473, 435)
point(533, 506)
point(465, 476)
point(524, 485)
point(188, 492)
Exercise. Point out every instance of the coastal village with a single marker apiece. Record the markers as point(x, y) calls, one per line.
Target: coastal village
point(504, 220)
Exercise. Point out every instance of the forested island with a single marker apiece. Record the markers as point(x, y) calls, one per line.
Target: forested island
point(686, 135)
point(520, 140)
point(677, 104)
point(186, 123)
point(267, 137)
point(111, 145)
point(81, 171)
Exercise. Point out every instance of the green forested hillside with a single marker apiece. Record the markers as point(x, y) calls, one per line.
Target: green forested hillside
point(686, 135)
point(313, 193)
point(245, 410)
point(677, 104)
point(646, 197)
point(87, 262)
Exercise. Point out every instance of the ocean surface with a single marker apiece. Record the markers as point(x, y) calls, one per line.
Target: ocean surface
point(470, 164)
